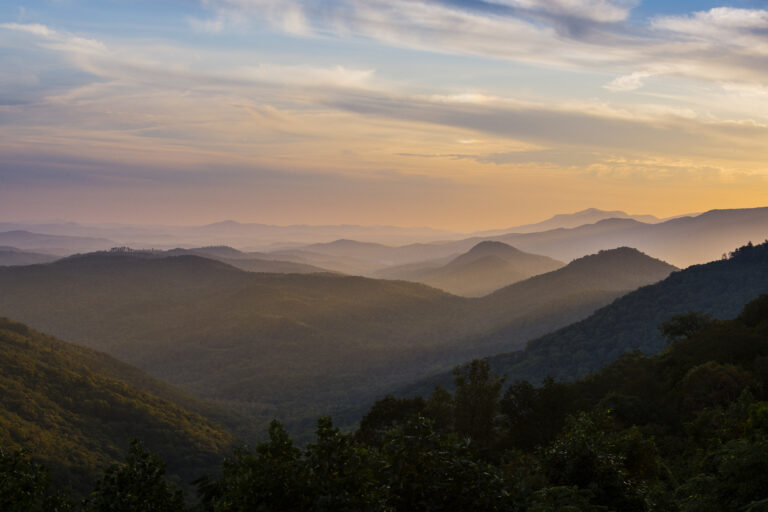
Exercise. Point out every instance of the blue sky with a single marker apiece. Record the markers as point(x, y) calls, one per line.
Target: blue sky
point(488, 112)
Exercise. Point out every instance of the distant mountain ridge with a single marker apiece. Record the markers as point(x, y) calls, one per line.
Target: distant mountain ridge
point(362, 250)
point(486, 267)
point(53, 244)
point(571, 220)
point(250, 262)
point(246, 236)
point(681, 241)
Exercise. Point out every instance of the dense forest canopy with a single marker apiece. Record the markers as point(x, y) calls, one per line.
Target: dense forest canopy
point(685, 430)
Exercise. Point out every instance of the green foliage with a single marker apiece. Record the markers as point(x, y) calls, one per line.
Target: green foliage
point(429, 471)
point(138, 485)
point(684, 430)
point(712, 384)
point(476, 400)
point(684, 325)
point(24, 486)
point(273, 478)
point(385, 414)
point(343, 475)
point(563, 499)
point(70, 408)
point(734, 477)
point(611, 466)
point(534, 416)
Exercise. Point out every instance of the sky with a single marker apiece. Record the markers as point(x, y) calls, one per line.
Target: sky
point(455, 114)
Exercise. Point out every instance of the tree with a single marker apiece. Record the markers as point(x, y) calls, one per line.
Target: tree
point(385, 414)
point(440, 409)
point(611, 466)
point(24, 485)
point(425, 470)
point(685, 325)
point(341, 473)
point(274, 478)
point(476, 400)
point(138, 485)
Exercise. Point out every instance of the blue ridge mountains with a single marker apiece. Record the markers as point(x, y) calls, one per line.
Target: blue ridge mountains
point(294, 345)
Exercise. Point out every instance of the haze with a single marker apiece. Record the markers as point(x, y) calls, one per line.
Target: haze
point(459, 115)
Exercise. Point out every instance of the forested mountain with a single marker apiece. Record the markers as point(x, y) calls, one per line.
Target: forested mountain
point(683, 431)
point(486, 267)
point(10, 256)
point(288, 345)
point(595, 278)
point(76, 409)
point(720, 288)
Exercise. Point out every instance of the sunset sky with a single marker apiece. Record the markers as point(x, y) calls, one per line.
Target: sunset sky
point(458, 114)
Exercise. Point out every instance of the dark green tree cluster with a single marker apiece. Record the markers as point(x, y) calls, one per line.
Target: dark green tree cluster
point(683, 431)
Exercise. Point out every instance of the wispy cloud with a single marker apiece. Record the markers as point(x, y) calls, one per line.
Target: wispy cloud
point(574, 34)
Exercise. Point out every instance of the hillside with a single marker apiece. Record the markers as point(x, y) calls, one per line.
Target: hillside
point(613, 271)
point(268, 343)
point(685, 430)
point(75, 410)
point(11, 256)
point(486, 267)
point(282, 344)
point(720, 288)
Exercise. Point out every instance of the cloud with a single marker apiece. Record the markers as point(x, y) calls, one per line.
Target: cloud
point(587, 126)
point(58, 40)
point(715, 22)
point(628, 82)
point(605, 11)
point(516, 31)
point(170, 100)
point(30, 28)
point(585, 35)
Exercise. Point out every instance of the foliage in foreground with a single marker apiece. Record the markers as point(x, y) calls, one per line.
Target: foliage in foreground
point(683, 431)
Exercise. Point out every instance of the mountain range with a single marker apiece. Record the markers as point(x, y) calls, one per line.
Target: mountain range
point(573, 220)
point(681, 241)
point(60, 245)
point(720, 288)
point(360, 250)
point(295, 345)
point(483, 269)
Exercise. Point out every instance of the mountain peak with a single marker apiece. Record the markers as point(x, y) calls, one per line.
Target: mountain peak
point(223, 223)
point(625, 260)
point(492, 246)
